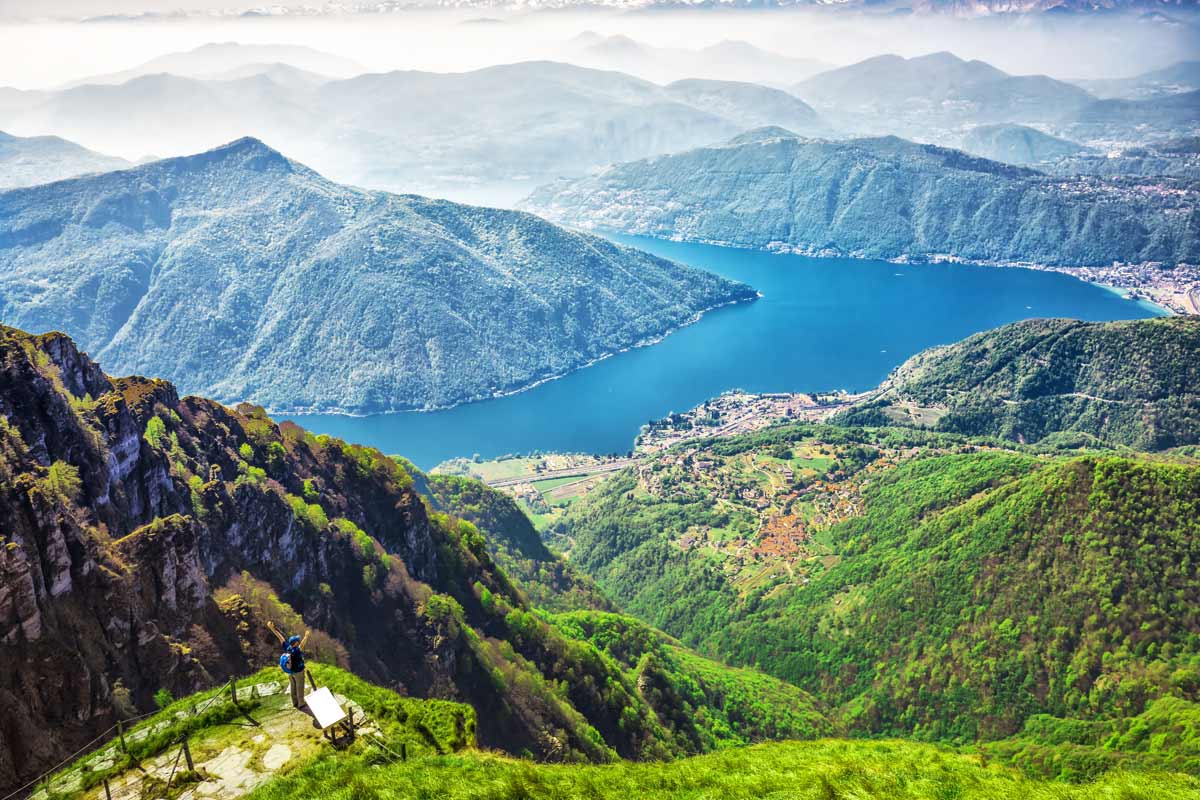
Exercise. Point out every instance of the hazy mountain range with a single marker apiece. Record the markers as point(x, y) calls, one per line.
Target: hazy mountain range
point(435, 131)
point(1017, 144)
point(1136, 121)
point(881, 198)
point(491, 135)
point(961, 8)
point(727, 60)
point(25, 161)
point(1175, 79)
point(218, 60)
point(922, 97)
point(936, 97)
point(247, 276)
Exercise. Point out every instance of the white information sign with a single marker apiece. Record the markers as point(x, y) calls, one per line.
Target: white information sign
point(324, 707)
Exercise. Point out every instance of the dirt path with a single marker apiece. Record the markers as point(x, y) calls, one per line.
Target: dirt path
point(230, 759)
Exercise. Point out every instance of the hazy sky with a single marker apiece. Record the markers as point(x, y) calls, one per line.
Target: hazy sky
point(90, 8)
point(48, 53)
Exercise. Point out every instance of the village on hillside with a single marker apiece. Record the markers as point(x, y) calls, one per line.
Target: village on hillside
point(546, 484)
point(769, 504)
point(738, 412)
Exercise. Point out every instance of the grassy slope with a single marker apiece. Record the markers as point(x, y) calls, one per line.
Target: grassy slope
point(820, 770)
point(424, 727)
point(443, 764)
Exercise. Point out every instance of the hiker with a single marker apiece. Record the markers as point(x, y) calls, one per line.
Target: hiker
point(292, 662)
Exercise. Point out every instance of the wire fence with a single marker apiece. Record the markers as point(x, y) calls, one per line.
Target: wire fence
point(110, 746)
point(154, 759)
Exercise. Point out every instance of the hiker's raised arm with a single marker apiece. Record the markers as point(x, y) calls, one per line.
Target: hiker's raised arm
point(304, 639)
point(271, 627)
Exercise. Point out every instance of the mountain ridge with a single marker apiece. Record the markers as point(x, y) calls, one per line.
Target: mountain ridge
point(881, 197)
point(509, 123)
point(1122, 383)
point(266, 240)
point(27, 161)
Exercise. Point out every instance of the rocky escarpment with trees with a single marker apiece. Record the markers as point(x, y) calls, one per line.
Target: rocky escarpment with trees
point(146, 539)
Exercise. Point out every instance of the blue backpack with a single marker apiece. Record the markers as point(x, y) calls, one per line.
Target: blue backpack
point(292, 660)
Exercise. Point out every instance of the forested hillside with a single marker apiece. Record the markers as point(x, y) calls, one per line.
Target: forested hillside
point(242, 275)
point(549, 581)
point(1017, 144)
point(1125, 383)
point(881, 198)
point(927, 587)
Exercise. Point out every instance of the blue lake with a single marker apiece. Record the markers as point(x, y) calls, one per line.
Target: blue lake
point(821, 324)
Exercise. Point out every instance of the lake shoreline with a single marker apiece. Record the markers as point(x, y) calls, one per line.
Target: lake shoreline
point(822, 324)
point(1173, 290)
point(648, 342)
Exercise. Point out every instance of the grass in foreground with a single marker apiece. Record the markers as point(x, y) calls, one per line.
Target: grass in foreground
point(822, 770)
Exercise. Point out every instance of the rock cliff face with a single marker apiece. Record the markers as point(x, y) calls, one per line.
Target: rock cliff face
point(145, 539)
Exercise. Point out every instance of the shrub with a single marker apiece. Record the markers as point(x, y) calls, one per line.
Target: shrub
point(163, 698)
point(155, 431)
point(62, 480)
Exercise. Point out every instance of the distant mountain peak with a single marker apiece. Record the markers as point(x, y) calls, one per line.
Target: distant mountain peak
point(244, 152)
point(305, 293)
point(30, 160)
point(763, 134)
point(941, 56)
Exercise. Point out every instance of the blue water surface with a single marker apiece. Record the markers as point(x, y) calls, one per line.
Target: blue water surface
point(821, 324)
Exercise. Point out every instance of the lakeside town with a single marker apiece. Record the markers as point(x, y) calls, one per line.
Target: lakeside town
point(547, 484)
point(737, 412)
point(1177, 290)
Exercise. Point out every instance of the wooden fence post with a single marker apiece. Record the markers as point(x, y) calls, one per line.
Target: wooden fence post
point(187, 755)
point(233, 689)
point(121, 736)
point(404, 751)
point(107, 791)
